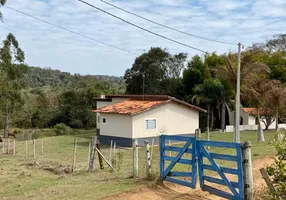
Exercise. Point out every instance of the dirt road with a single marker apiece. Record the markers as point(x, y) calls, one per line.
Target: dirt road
point(168, 191)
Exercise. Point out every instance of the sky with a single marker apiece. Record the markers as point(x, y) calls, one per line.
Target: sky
point(233, 21)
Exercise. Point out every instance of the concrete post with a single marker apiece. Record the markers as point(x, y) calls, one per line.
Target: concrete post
point(148, 158)
point(135, 158)
point(247, 171)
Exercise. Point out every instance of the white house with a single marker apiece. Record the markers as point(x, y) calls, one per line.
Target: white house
point(122, 118)
point(248, 120)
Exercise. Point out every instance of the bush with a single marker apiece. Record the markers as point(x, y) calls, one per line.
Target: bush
point(62, 129)
point(277, 171)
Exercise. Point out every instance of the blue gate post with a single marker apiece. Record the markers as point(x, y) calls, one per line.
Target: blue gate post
point(162, 153)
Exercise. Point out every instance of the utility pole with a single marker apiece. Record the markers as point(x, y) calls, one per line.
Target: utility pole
point(236, 137)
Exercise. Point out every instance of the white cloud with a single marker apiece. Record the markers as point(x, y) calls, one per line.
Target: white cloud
point(45, 45)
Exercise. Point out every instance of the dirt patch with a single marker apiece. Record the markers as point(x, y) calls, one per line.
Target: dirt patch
point(169, 191)
point(53, 167)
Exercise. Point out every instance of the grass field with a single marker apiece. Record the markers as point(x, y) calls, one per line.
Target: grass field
point(19, 180)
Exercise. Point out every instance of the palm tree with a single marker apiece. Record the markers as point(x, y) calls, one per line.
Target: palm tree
point(207, 93)
point(251, 74)
point(254, 94)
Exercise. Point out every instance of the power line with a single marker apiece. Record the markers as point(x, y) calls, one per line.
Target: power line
point(168, 27)
point(76, 33)
point(144, 29)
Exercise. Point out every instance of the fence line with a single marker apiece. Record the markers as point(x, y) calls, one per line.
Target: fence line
point(54, 151)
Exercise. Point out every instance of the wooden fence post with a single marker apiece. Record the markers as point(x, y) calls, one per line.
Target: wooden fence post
point(34, 150)
point(152, 148)
point(14, 147)
point(88, 156)
point(92, 154)
point(247, 171)
point(26, 148)
point(208, 137)
point(74, 154)
point(135, 158)
point(110, 151)
point(99, 155)
point(109, 164)
point(42, 147)
point(148, 159)
point(269, 183)
point(3, 147)
point(8, 146)
point(198, 133)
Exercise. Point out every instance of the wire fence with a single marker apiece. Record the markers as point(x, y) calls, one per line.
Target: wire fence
point(57, 154)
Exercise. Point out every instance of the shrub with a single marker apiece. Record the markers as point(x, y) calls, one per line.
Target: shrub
point(277, 171)
point(62, 129)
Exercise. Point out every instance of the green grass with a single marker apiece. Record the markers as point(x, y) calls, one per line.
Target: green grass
point(21, 181)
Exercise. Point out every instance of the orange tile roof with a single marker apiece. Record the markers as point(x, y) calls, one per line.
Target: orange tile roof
point(251, 111)
point(150, 98)
point(131, 107)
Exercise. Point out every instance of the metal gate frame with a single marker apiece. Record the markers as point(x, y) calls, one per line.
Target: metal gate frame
point(167, 174)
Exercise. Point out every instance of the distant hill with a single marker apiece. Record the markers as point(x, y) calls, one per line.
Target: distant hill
point(41, 77)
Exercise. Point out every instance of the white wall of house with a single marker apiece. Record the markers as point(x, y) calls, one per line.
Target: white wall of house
point(170, 119)
point(101, 104)
point(251, 120)
point(116, 125)
point(244, 115)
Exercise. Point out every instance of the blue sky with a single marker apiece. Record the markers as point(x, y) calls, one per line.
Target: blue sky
point(46, 46)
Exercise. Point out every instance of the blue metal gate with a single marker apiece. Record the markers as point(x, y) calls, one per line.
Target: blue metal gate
point(206, 161)
point(236, 188)
point(166, 172)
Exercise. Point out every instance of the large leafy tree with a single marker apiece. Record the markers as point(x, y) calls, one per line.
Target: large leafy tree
point(151, 70)
point(11, 70)
point(193, 74)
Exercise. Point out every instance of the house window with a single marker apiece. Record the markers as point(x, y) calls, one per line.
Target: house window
point(150, 124)
point(104, 121)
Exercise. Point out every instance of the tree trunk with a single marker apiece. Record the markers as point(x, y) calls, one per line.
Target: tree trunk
point(208, 116)
point(7, 117)
point(223, 117)
point(260, 135)
point(277, 118)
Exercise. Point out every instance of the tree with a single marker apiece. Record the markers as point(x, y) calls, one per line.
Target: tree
point(254, 94)
point(207, 93)
point(193, 74)
point(268, 115)
point(2, 2)
point(253, 76)
point(275, 97)
point(224, 98)
point(278, 43)
point(151, 70)
point(11, 56)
